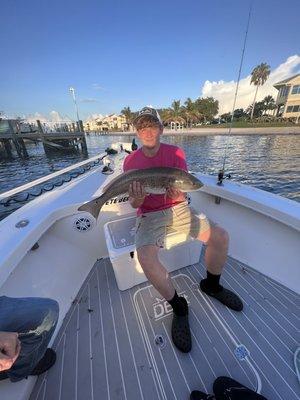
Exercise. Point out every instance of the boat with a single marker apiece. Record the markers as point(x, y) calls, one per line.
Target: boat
point(113, 335)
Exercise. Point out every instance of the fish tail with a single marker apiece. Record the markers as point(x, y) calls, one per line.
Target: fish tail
point(92, 207)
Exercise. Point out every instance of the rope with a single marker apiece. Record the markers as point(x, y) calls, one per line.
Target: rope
point(237, 85)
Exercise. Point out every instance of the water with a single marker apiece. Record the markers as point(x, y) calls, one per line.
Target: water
point(270, 163)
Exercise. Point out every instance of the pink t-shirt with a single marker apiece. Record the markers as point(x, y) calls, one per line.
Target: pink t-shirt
point(167, 156)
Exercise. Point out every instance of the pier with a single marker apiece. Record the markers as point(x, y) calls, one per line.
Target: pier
point(66, 138)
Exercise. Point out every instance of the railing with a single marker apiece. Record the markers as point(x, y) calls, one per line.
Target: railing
point(48, 177)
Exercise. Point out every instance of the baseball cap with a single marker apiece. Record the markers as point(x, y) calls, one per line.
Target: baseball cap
point(148, 111)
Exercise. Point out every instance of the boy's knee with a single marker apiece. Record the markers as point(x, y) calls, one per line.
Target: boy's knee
point(223, 236)
point(219, 236)
point(146, 254)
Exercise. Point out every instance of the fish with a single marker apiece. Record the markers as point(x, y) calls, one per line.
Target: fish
point(156, 180)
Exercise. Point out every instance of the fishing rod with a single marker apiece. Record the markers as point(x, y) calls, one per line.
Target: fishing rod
point(221, 171)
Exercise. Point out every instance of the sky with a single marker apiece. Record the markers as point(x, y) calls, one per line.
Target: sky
point(136, 53)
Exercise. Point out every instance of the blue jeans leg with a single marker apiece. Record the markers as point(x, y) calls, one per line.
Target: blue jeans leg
point(34, 319)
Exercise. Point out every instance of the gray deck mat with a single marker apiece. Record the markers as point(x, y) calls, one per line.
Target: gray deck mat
point(106, 346)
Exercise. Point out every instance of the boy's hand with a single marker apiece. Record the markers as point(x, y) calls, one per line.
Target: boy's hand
point(137, 191)
point(173, 193)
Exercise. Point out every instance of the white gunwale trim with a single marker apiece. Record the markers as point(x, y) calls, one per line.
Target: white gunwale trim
point(50, 176)
point(274, 206)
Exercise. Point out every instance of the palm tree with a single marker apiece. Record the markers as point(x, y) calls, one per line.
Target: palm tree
point(190, 112)
point(189, 105)
point(129, 115)
point(259, 75)
point(174, 113)
point(269, 103)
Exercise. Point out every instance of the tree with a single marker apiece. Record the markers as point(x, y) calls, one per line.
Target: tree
point(269, 103)
point(239, 113)
point(259, 75)
point(258, 109)
point(207, 108)
point(174, 113)
point(163, 112)
point(226, 117)
point(129, 115)
point(190, 112)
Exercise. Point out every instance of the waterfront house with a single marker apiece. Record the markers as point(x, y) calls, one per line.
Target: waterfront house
point(288, 98)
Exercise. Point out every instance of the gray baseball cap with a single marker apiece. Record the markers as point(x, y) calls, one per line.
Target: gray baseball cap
point(148, 111)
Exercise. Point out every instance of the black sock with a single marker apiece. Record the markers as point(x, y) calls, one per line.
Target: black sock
point(179, 305)
point(211, 283)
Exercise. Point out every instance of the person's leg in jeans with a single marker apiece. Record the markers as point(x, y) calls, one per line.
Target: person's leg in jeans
point(34, 319)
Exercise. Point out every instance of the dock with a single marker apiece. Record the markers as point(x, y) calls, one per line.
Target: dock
point(70, 138)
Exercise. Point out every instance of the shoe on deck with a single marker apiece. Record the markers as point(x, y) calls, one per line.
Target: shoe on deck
point(181, 334)
point(197, 395)
point(225, 387)
point(45, 363)
point(3, 375)
point(225, 296)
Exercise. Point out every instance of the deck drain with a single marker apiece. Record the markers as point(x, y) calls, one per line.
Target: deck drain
point(241, 352)
point(160, 341)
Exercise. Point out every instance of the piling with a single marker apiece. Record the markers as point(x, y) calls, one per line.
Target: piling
point(63, 139)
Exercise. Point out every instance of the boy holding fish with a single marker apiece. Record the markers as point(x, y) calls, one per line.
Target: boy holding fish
point(157, 213)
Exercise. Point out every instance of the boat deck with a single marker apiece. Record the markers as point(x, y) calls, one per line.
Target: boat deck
point(117, 345)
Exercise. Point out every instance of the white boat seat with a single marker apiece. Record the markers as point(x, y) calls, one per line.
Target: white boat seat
point(179, 251)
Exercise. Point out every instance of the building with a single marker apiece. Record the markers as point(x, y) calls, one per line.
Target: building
point(93, 124)
point(108, 123)
point(114, 122)
point(288, 98)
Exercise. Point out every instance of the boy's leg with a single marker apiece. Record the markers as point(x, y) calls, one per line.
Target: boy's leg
point(155, 271)
point(150, 230)
point(216, 240)
point(34, 319)
point(159, 277)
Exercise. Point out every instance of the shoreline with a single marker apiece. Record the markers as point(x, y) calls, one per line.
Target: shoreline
point(287, 130)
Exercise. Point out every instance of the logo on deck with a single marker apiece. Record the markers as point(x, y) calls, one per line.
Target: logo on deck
point(161, 308)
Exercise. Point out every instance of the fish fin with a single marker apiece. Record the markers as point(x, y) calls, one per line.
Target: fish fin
point(92, 207)
point(116, 178)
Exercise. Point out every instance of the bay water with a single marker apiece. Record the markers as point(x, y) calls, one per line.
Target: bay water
point(268, 162)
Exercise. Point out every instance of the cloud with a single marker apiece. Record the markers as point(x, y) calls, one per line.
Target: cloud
point(224, 91)
point(31, 118)
point(89, 100)
point(56, 117)
point(96, 86)
point(92, 117)
point(53, 118)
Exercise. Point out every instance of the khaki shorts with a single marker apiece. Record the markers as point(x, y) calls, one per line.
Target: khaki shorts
point(152, 227)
